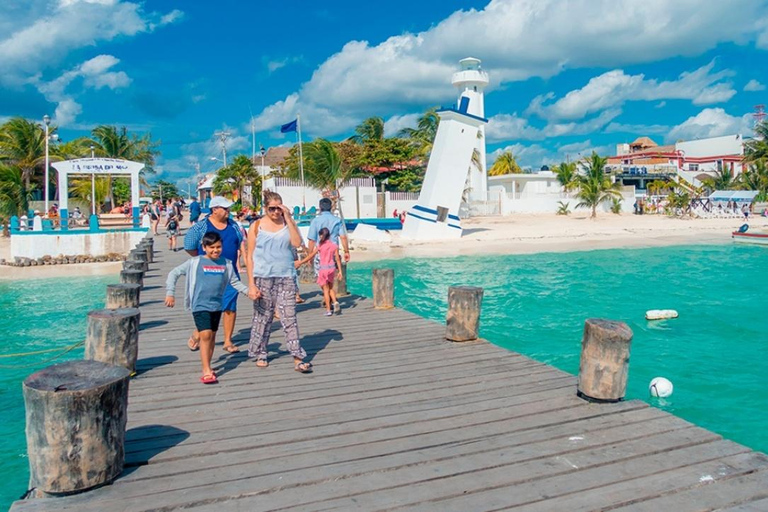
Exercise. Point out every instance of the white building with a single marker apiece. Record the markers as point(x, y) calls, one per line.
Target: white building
point(471, 82)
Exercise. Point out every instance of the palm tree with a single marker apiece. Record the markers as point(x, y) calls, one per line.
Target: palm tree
point(15, 195)
point(81, 188)
point(22, 143)
point(324, 169)
point(755, 177)
point(372, 129)
point(595, 186)
point(233, 179)
point(505, 164)
point(114, 142)
point(567, 174)
point(757, 148)
point(423, 136)
point(722, 180)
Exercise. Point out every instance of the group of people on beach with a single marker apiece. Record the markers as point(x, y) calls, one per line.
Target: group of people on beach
point(270, 253)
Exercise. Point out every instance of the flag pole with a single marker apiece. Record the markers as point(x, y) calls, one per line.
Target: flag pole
point(301, 163)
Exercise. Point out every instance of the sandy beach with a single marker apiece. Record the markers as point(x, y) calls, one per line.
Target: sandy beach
point(524, 234)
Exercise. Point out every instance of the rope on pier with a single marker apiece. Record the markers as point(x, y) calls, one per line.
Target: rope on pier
point(61, 351)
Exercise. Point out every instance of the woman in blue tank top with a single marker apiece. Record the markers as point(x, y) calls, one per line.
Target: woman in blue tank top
point(271, 271)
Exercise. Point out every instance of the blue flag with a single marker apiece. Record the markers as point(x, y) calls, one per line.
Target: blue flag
point(289, 127)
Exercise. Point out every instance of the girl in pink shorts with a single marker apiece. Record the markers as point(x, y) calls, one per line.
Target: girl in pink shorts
point(330, 266)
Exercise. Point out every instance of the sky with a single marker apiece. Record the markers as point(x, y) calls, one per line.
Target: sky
point(566, 76)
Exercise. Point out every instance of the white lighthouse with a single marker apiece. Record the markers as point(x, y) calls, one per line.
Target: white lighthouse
point(471, 81)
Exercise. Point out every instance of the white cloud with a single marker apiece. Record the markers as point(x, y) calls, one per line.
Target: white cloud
point(711, 122)
point(517, 39)
point(614, 88)
point(753, 85)
point(95, 74)
point(394, 124)
point(504, 127)
point(275, 64)
point(640, 129)
point(534, 156)
point(40, 33)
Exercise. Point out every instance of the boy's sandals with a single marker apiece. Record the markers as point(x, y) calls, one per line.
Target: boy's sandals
point(209, 378)
point(232, 349)
point(302, 367)
point(262, 363)
point(193, 344)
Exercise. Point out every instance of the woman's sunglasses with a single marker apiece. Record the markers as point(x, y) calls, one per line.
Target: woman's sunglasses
point(274, 209)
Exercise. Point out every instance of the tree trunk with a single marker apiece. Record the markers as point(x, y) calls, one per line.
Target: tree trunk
point(594, 211)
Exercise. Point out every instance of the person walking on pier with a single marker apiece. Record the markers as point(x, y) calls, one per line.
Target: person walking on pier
point(207, 278)
point(271, 270)
point(330, 265)
point(326, 219)
point(232, 239)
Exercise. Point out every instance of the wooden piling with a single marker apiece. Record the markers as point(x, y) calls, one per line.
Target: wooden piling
point(76, 417)
point(123, 296)
point(132, 277)
point(138, 254)
point(113, 336)
point(383, 288)
point(149, 248)
point(143, 266)
point(462, 322)
point(604, 360)
point(340, 285)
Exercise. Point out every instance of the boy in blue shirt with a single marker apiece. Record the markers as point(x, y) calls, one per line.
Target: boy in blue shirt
point(207, 277)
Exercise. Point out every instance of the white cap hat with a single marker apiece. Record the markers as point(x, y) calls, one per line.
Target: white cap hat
point(220, 202)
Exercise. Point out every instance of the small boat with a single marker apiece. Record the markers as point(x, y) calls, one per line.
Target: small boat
point(743, 237)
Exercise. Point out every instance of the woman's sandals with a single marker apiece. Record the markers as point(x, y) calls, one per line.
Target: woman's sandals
point(302, 367)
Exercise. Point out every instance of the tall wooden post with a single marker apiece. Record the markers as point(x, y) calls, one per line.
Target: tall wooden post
point(340, 285)
point(143, 266)
point(463, 320)
point(604, 363)
point(123, 296)
point(139, 255)
point(132, 277)
point(113, 336)
point(76, 416)
point(383, 288)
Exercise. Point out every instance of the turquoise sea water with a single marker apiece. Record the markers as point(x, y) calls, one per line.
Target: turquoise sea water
point(715, 354)
point(36, 315)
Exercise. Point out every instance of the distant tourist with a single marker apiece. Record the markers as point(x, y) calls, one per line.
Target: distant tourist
point(194, 211)
point(172, 230)
point(154, 215)
point(745, 211)
point(207, 278)
point(271, 272)
point(232, 238)
point(330, 266)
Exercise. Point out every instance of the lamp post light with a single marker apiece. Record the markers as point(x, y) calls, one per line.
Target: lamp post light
point(46, 122)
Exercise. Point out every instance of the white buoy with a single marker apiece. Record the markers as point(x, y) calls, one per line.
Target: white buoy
point(660, 387)
point(660, 314)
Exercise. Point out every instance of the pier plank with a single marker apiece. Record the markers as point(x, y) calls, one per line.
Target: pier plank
point(394, 418)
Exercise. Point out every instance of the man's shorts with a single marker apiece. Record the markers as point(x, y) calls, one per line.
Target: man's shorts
point(229, 299)
point(207, 320)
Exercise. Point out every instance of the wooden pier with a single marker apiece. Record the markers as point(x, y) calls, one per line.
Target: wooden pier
point(394, 418)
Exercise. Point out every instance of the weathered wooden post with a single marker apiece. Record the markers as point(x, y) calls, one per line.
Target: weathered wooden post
point(139, 255)
point(76, 416)
point(463, 320)
point(132, 277)
point(383, 288)
point(340, 285)
point(306, 271)
point(604, 360)
point(113, 336)
point(123, 296)
point(135, 265)
point(147, 245)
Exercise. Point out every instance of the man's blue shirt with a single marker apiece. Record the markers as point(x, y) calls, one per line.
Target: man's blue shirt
point(325, 220)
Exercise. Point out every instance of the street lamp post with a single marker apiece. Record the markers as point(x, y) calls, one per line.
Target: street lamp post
point(47, 122)
point(93, 184)
point(262, 152)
